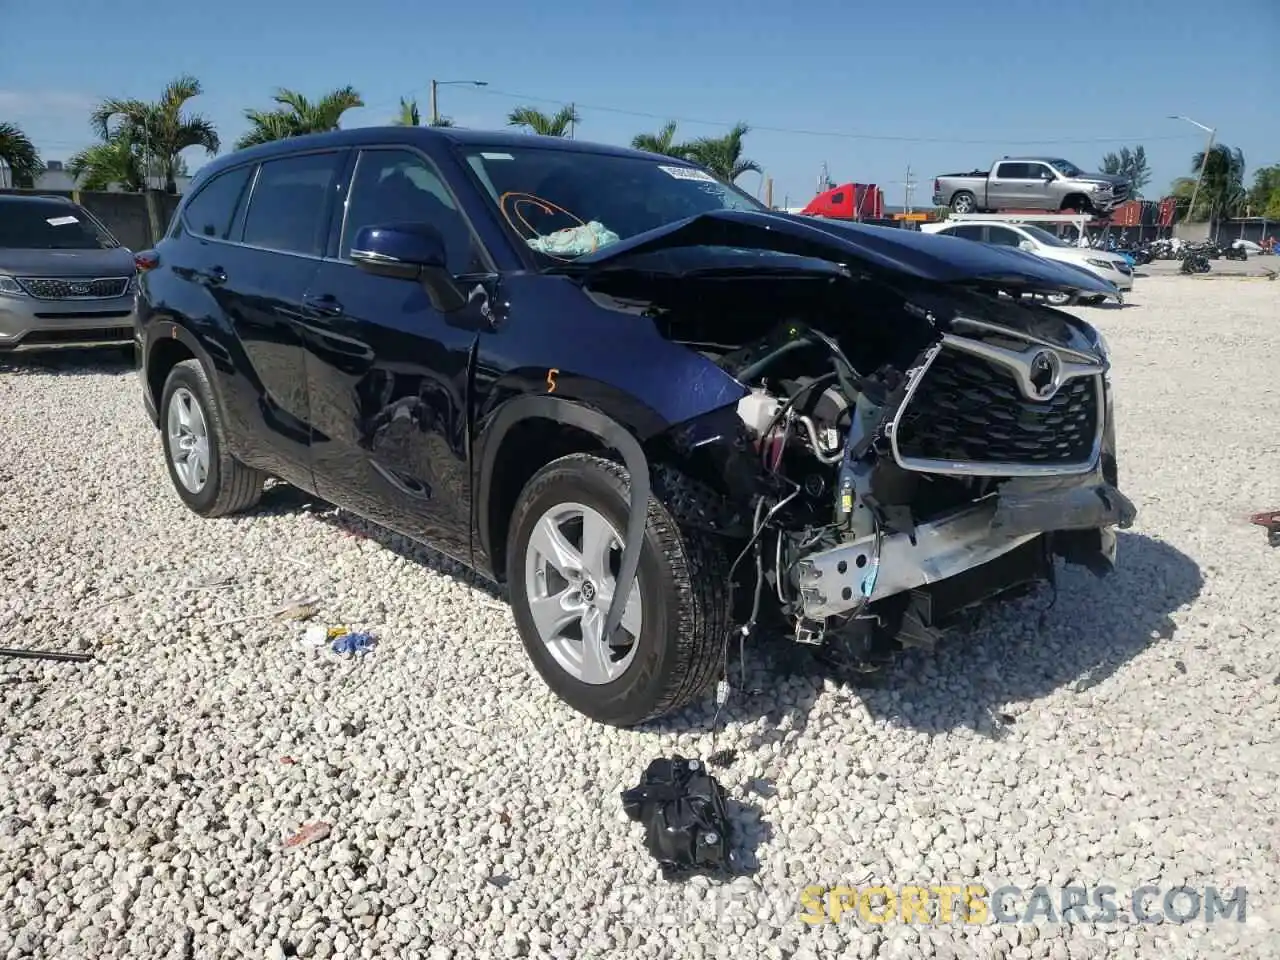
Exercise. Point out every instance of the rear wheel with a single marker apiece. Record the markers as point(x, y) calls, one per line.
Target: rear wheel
point(964, 202)
point(208, 479)
point(564, 555)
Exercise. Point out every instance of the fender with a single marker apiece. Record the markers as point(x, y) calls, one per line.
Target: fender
point(212, 355)
point(165, 329)
point(612, 434)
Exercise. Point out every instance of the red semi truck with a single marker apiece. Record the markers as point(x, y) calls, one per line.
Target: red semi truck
point(849, 201)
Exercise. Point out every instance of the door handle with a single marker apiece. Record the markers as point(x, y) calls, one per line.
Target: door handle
point(324, 305)
point(214, 275)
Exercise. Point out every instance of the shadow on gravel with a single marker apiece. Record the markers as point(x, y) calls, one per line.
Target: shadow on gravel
point(68, 363)
point(1014, 653)
point(1020, 650)
point(413, 551)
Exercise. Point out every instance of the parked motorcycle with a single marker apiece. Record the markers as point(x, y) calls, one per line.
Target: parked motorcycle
point(1194, 262)
point(1235, 253)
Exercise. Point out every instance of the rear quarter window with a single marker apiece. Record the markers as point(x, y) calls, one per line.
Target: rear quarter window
point(210, 212)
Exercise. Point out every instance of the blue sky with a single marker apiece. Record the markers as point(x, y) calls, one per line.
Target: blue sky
point(867, 87)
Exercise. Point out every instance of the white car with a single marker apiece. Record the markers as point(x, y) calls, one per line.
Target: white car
point(1109, 266)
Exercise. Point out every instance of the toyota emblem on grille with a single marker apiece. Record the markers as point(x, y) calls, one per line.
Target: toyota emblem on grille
point(1043, 375)
point(79, 289)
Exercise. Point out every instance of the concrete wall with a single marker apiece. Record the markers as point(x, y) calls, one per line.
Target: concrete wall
point(124, 214)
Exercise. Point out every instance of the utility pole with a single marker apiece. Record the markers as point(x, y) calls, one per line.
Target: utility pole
point(1195, 193)
point(573, 115)
point(435, 106)
point(908, 190)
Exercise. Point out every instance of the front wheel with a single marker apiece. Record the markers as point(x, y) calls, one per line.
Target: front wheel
point(564, 554)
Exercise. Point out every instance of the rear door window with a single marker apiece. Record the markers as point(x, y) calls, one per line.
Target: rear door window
point(288, 210)
point(1012, 171)
point(210, 212)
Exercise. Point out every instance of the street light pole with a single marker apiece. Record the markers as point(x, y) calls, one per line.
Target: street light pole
point(435, 110)
point(1204, 162)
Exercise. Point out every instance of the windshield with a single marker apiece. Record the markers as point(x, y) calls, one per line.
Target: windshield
point(565, 203)
point(1067, 167)
point(1043, 236)
point(48, 225)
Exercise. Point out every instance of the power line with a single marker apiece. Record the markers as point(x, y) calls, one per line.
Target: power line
point(758, 128)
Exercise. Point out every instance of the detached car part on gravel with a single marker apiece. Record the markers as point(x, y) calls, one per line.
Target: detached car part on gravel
point(662, 414)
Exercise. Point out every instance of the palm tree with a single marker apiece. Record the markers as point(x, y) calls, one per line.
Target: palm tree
point(1132, 164)
point(723, 155)
point(114, 161)
point(558, 124)
point(1222, 189)
point(159, 130)
point(17, 150)
point(411, 117)
point(296, 116)
point(663, 142)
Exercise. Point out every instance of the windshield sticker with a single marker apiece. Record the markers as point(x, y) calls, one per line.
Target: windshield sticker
point(61, 221)
point(497, 156)
point(687, 173)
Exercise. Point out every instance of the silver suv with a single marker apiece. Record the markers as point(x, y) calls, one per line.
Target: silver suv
point(65, 281)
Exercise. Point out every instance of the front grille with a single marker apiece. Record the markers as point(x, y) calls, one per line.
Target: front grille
point(970, 410)
point(70, 288)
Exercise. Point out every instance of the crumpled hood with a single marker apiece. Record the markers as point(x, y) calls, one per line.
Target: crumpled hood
point(90, 264)
point(882, 249)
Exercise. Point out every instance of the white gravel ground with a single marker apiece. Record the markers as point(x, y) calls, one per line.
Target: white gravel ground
point(144, 798)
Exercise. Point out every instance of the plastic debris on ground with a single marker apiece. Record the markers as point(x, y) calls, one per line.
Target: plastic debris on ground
point(299, 608)
point(687, 827)
point(1270, 521)
point(341, 640)
point(310, 833)
point(354, 643)
point(575, 241)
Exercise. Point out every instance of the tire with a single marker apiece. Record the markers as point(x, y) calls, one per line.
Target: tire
point(681, 586)
point(964, 202)
point(228, 486)
point(1079, 205)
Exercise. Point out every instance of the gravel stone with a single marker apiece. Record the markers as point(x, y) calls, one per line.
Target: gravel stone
point(144, 797)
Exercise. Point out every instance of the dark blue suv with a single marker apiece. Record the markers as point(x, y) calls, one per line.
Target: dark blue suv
point(663, 415)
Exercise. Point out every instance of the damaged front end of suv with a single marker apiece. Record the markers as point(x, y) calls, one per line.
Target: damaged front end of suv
point(917, 432)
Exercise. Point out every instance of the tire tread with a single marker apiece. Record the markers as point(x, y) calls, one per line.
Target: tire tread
point(699, 566)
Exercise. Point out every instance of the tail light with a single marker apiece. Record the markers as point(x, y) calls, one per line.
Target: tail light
point(937, 185)
point(146, 260)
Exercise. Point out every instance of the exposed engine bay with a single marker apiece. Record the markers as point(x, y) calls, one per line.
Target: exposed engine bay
point(935, 449)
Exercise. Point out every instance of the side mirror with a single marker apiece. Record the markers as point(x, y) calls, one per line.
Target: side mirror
point(409, 251)
point(1026, 245)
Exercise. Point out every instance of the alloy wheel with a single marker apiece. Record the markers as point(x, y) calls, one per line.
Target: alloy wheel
point(188, 440)
point(571, 568)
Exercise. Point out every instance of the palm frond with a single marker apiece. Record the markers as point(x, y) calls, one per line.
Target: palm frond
point(20, 154)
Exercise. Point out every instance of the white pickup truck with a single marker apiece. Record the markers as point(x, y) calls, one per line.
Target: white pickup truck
point(1030, 183)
